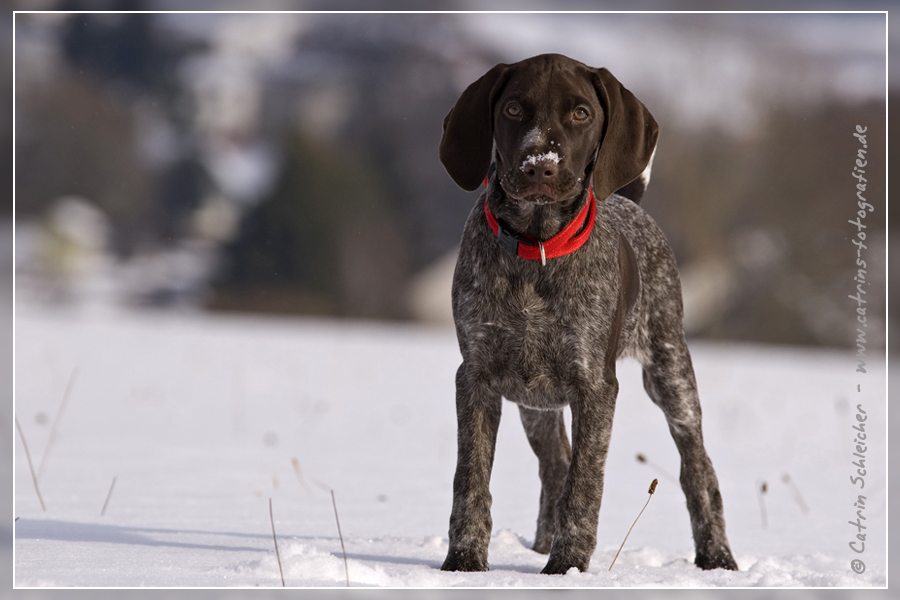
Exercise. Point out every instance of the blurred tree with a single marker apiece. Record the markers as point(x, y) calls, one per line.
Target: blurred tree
point(74, 138)
point(322, 242)
point(803, 185)
point(773, 208)
point(403, 85)
point(182, 186)
point(119, 46)
point(345, 229)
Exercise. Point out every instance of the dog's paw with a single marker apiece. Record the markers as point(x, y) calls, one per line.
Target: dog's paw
point(558, 565)
point(461, 560)
point(721, 558)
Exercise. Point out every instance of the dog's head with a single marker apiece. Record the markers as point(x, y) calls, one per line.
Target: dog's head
point(551, 123)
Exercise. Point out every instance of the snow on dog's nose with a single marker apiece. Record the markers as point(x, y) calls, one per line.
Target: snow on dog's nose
point(541, 168)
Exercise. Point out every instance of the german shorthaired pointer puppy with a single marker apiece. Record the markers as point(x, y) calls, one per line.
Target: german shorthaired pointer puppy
point(558, 276)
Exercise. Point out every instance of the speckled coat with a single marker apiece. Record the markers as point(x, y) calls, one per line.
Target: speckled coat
point(548, 336)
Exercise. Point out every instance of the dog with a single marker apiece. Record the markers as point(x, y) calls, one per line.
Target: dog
point(560, 273)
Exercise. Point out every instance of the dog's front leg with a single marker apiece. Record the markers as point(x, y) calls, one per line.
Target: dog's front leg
point(579, 506)
point(478, 417)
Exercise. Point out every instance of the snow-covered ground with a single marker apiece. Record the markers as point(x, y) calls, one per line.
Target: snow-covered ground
point(201, 419)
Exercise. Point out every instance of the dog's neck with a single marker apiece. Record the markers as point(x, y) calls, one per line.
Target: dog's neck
point(535, 221)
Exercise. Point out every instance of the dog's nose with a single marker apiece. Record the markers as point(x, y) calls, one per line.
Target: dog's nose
point(540, 171)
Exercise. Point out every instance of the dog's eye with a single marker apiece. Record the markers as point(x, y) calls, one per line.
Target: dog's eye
point(513, 109)
point(580, 114)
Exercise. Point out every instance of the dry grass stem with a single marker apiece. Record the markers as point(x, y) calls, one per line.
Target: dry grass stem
point(338, 521)
point(761, 490)
point(56, 419)
point(275, 540)
point(646, 461)
point(798, 498)
point(30, 467)
point(650, 491)
point(108, 496)
point(273, 478)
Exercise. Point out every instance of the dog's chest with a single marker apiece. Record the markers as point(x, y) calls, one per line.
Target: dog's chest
point(534, 333)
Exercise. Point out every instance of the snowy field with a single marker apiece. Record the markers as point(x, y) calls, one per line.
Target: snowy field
point(202, 419)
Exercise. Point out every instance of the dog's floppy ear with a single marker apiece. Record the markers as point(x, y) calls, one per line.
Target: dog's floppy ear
point(628, 140)
point(468, 137)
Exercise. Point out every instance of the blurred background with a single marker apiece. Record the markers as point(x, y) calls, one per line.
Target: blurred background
point(287, 164)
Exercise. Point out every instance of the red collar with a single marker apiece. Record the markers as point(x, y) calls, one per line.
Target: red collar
point(571, 238)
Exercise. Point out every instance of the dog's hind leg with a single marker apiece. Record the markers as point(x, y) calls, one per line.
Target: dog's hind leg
point(669, 380)
point(546, 433)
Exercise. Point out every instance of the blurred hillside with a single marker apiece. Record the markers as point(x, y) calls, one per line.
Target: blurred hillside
point(288, 163)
